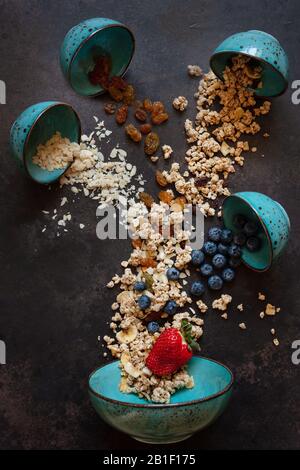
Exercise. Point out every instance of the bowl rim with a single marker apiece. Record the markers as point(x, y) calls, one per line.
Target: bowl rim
point(52, 105)
point(161, 405)
point(264, 228)
point(258, 59)
point(112, 25)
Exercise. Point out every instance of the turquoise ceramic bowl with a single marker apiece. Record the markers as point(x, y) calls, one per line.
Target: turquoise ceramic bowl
point(262, 47)
point(35, 126)
point(89, 39)
point(188, 412)
point(272, 219)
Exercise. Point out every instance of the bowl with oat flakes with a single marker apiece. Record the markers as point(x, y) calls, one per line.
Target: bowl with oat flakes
point(202, 393)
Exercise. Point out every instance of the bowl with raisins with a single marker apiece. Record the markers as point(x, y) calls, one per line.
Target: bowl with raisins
point(95, 53)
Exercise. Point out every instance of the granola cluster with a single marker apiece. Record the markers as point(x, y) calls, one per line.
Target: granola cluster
point(153, 253)
point(226, 111)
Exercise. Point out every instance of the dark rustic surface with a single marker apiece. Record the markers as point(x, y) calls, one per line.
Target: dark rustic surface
point(53, 304)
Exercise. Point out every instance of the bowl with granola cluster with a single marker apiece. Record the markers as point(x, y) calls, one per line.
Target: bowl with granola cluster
point(204, 390)
point(268, 63)
point(94, 53)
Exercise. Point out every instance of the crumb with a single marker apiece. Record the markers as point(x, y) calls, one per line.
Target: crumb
point(194, 70)
point(261, 296)
point(262, 314)
point(242, 326)
point(180, 103)
point(276, 341)
point(167, 151)
point(222, 303)
point(240, 307)
point(225, 316)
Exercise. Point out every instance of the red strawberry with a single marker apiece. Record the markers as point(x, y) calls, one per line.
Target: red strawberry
point(170, 352)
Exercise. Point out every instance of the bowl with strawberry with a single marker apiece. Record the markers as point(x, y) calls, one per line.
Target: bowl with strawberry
point(201, 392)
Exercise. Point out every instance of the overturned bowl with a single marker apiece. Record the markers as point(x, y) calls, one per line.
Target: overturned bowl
point(89, 39)
point(36, 125)
point(265, 50)
point(272, 220)
point(189, 411)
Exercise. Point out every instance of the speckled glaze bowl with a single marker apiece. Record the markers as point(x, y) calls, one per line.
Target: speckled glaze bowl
point(267, 52)
point(272, 219)
point(89, 39)
point(189, 411)
point(36, 125)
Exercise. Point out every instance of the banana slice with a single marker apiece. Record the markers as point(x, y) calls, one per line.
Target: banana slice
point(123, 385)
point(160, 277)
point(125, 357)
point(131, 370)
point(127, 335)
point(124, 296)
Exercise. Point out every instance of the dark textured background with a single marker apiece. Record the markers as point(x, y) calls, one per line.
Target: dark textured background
point(53, 303)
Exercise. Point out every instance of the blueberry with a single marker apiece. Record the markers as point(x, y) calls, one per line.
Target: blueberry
point(219, 261)
point(210, 248)
point(214, 234)
point(228, 274)
point(239, 239)
point(215, 282)
point(222, 249)
point(239, 221)
point(197, 288)
point(173, 274)
point(139, 286)
point(250, 228)
point(253, 244)
point(153, 327)
point(144, 302)
point(206, 269)
point(170, 307)
point(234, 251)
point(226, 235)
point(197, 257)
point(234, 262)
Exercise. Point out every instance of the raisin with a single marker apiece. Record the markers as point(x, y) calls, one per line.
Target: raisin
point(121, 114)
point(133, 133)
point(140, 115)
point(145, 128)
point(100, 73)
point(110, 108)
point(136, 243)
point(148, 106)
point(151, 143)
point(157, 107)
point(201, 181)
point(148, 262)
point(181, 200)
point(165, 196)
point(159, 118)
point(129, 95)
point(115, 93)
point(118, 82)
point(161, 179)
point(146, 198)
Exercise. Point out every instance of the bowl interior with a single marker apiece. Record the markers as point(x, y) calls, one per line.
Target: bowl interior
point(261, 259)
point(273, 81)
point(58, 118)
point(210, 377)
point(114, 41)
